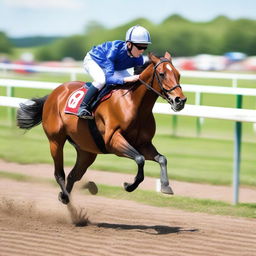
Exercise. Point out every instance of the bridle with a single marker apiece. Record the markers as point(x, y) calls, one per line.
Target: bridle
point(164, 91)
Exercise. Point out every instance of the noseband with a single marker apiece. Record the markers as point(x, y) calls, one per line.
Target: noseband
point(164, 91)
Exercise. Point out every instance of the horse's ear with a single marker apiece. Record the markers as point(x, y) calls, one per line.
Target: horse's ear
point(168, 56)
point(153, 58)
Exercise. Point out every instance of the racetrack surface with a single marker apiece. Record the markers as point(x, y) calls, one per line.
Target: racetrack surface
point(34, 222)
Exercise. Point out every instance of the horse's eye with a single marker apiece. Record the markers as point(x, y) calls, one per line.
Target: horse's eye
point(162, 74)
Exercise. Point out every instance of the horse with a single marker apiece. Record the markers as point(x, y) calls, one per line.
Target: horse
point(125, 123)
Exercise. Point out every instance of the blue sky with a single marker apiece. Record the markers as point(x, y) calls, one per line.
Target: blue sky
point(68, 17)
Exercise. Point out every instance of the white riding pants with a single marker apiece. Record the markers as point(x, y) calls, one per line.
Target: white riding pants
point(97, 74)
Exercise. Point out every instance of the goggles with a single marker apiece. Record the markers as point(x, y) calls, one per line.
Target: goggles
point(141, 47)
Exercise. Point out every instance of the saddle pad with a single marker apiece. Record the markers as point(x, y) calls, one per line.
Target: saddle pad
point(76, 98)
point(74, 101)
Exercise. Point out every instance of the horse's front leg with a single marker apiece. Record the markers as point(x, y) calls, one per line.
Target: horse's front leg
point(165, 187)
point(119, 146)
point(150, 153)
point(140, 161)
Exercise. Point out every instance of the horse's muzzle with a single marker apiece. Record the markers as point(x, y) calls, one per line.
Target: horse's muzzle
point(178, 103)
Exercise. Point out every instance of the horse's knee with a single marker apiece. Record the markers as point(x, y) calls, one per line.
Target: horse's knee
point(162, 160)
point(140, 160)
point(73, 178)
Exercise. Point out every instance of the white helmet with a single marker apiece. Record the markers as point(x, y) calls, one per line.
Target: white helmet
point(138, 35)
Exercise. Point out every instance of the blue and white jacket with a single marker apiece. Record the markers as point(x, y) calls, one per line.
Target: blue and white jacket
point(113, 56)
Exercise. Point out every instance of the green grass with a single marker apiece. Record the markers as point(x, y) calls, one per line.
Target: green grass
point(155, 199)
point(25, 178)
point(15, 176)
point(189, 159)
point(180, 202)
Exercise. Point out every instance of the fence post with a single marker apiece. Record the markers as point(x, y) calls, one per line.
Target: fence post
point(234, 82)
point(199, 120)
point(174, 125)
point(11, 111)
point(73, 76)
point(237, 154)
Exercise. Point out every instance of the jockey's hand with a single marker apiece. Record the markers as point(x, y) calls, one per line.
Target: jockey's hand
point(130, 79)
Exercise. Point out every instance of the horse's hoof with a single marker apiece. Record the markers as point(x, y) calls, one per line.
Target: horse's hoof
point(92, 187)
point(128, 187)
point(63, 198)
point(166, 190)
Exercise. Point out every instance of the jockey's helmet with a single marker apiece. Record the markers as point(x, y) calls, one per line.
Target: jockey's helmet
point(138, 35)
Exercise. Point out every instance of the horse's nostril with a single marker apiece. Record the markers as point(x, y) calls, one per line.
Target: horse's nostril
point(177, 100)
point(180, 101)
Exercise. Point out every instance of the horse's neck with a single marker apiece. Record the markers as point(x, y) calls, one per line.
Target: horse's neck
point(143, 97)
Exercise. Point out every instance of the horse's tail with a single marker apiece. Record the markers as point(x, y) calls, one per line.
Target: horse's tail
point(30, 113)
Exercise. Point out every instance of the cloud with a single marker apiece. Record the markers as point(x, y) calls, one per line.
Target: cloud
point(45, 4)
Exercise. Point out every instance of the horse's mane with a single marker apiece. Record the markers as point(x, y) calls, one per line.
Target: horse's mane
point(139, 69)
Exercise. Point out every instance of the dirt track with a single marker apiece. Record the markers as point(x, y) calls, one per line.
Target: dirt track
point(34, 222)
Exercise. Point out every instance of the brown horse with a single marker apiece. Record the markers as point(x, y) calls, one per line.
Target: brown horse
point(125, 123)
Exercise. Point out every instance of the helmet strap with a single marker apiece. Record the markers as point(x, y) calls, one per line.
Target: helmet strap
point(129, 49)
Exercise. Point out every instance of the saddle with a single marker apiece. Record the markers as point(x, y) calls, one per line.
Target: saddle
point(76, 98)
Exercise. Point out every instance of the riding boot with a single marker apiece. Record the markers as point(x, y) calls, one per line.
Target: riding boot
point(84, 110)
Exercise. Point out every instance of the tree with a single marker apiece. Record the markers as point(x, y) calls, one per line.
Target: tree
point(5, 44)
point(240, 36)
point(73, 47)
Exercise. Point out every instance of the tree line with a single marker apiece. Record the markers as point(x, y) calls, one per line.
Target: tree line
point(179, 36)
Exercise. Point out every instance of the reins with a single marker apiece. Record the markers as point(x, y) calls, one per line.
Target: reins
point(150, 86)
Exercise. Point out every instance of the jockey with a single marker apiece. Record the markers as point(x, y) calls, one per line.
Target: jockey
point(107, 63)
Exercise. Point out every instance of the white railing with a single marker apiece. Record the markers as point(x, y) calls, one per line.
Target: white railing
point(28, 84)
point(218, 89)
point(74, 71)
point(37, 68)
point(218, 75)
point(185, 87)
point(231, 114)
point(194, 110)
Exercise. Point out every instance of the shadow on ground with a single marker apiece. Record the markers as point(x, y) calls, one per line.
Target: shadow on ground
point(158, 229)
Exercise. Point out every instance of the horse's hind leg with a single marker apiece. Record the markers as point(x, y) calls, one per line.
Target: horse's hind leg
point(83, 161)
point(121, 147)
point(56, 147)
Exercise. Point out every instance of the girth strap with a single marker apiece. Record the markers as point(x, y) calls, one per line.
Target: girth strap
point(97, 136)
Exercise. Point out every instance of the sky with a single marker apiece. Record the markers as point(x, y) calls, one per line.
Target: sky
point(20, 18)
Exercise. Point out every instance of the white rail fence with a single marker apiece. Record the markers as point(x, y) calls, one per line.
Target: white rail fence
point(75, 71)
point(234, 114)
point(35, 68)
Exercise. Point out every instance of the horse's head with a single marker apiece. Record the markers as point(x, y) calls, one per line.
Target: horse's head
point(166, 80)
